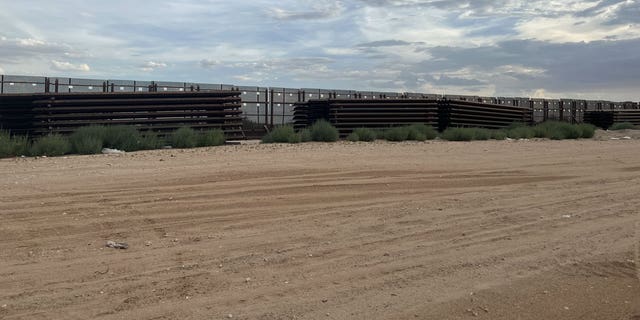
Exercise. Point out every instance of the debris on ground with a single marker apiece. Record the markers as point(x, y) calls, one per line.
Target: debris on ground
point(117, 245)
point(112, 151)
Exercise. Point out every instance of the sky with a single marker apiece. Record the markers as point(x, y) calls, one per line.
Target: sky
point(535, 48)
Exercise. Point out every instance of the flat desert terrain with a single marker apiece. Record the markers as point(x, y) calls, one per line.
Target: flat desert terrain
point(434, 230)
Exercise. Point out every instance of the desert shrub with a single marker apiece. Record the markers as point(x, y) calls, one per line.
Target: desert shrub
point(88, 140)
point(149, 141)
point(323, 131)
point(421, 132)
point(281, 134)
point(458, 134)
point(353, 137)
point(305, 135)
point(51, 145)
point(563, 131)
point(122, 137)
point(11, 146)
point(210, 138)
point(498, 135)
point(587, 131)
point(521, 132)
point(481, 134)
point(397, 134)
point(622, 126)
point(365, 134)
point(380, 133)
point(184, 137)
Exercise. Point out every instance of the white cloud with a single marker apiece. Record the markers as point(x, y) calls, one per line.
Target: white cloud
point(152, 66)
point(323, 9)
point(1, 70)
point(68, 66)
point(209, 63)
point(568, 28)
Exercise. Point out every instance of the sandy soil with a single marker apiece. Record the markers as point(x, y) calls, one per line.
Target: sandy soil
point(436, 230)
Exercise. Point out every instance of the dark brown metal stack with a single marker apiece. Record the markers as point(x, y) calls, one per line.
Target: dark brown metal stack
point(38, 114)
point(482, 115)
point(605, 119)
point(349, 114)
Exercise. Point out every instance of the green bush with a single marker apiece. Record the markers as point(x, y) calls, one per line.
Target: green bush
point(88, 140)
point(121, 137)
point(305, 135)
point(210, 138)
point(353, 137)
point(323, 131)
point(521, 132)
point(498, 135)
point(51, 145)
point(149, 141)
point(622, 126)
point(12, 146)
point(481, 134)
point(587, 131)
point(380, 133)
point(421, 132)
point(365, 134)
point(282, 134)
point(397, 134)
point(557, 130)
point(184, 137)
point(458, 134)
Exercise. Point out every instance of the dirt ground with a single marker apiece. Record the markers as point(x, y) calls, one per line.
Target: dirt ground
point(435, 230)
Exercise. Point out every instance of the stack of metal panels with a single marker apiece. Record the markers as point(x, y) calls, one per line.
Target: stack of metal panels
point(605, 119)
point(38, 114)
point(350, 114)
point(483, 115)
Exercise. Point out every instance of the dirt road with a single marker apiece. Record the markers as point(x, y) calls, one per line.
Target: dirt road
point(436, 230)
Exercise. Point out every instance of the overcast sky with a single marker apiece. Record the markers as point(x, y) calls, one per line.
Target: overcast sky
point(551, 48)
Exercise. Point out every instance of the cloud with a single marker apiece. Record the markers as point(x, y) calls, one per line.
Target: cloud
point(152, 66)
point(506, 47)
point(68, 66)
point(384, 43)
point(208, 63)
point(1, 70)
point(319, 10)
point(16, 49)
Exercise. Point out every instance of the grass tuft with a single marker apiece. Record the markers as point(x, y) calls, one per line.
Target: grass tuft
point(622, 126)
point(210, 138)
point(323, 131)
point(52, 146)
point(184, 137)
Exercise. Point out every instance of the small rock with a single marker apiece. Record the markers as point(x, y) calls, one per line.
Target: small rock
point(247, 279)
point(229, 316)
point(566, 216)
point(566, 308)
point(325, 300)
point(148, 243)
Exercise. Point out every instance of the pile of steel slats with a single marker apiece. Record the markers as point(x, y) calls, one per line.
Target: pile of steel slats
point(605, 119)
point(38, 114)
point(347, 115)
point(482, 115)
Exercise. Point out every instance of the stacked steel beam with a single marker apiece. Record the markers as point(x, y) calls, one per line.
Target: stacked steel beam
point(349, 114)
point(605, 119)
point(483, 115)
point(38, 114)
